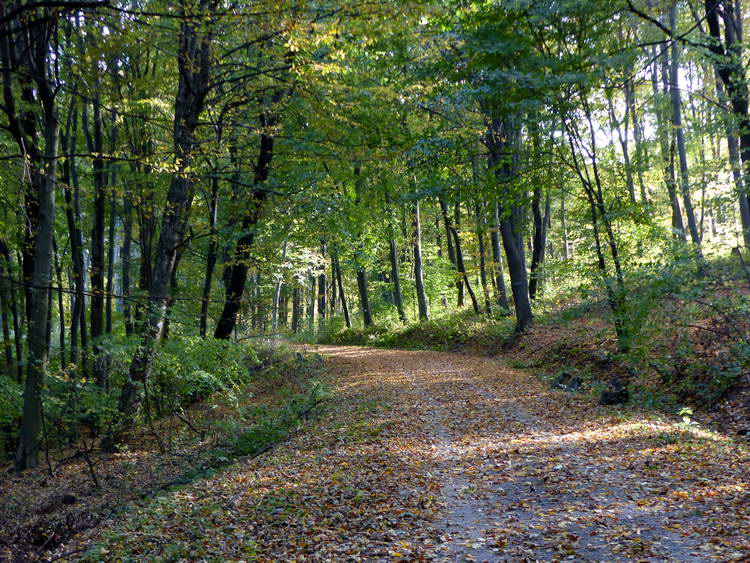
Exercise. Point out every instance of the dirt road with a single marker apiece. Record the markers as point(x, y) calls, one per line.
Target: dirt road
point(435, 456)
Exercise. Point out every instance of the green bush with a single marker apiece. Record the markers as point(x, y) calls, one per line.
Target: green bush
point(11, 405)
point(190, 369)
point(276, 424)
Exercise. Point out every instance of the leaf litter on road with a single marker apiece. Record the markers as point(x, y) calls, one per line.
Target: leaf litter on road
point(437, 456)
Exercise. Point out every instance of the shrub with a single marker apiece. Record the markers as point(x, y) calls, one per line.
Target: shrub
point(11, 405)
point(190, 369)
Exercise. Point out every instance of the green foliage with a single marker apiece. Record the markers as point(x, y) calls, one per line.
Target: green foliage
point(453, 332)
point(276, 424)
point(190, 369)
point(11, 403)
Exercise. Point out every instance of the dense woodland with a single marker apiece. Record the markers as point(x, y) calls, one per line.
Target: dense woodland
point(181, 177)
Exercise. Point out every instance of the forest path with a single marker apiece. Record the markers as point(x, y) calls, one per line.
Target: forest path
point(430, 456)
point(527, 472)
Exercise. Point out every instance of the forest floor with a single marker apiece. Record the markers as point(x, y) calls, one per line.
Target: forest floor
point(425, 455)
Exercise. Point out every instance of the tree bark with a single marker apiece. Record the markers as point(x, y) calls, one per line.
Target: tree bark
point(481, 224)
point(194, 64)
point(730, 66)
point(666, 145)
point(240, 261)
point(60, 304)
point(364, 297)
point(539, 240)
point(501, 292)
point(424, 312)
point(296, 305)
point(460, 265)
point(342, 295)
point(275, 305)
point(322, 285)
point(95, 146)
point(211, 256)
point(29, 445)
point(675, 97)
point(502, 141)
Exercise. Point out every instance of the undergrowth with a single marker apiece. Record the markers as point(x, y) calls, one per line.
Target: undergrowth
point(688, 332)
point(222, 401)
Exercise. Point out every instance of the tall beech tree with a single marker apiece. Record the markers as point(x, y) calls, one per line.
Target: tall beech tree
point(194, 65)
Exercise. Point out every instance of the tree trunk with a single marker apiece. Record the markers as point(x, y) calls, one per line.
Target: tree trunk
point(7, 344)
point(296, 305)
point(680, 137)
point(459, 281)
point(342, 295)
point(666, 144)
point(275, 305)
point(111, 246)
point(193, 85)
point(13, 306)
point(211, 256)
point(29, 444)
point(615, 125)
point(459, 256)
point(730, 66)
point(238, 279)
point(396, 277)
point(540, 238)
point(322, 286)
point(424, 313)
point(503, 137)
point(452, 258)
point(127, 238)
point(501, 292)
point(364, 297)
point(96, 147)
point(60, 304)
point(564, 227)
point(481, 224)
point(312, 294)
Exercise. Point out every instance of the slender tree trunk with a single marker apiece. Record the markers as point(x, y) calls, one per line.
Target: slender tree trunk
point(296, 305)
point(564, 227)
point(322, 284)
point(452, 258)
point(424, 313)
point(459, 281)
point(127, 238)
point(640, 155)
point(96, 147)
point(60, 304)
point(540, 238)
point(277, 293)
point(212, 255)
point(364, 297)
point(17, 324)
point(480, 221)
point(312, 294)
point(111, 254)
point(238, 278)
point(194, 65)
point(7, 344)
point(666, 144)
point(728, 56)
point(501, 295)
point(334, 288)
point(396, 277)
point(340, 280)
point(623, 139)
point(680, 137)
point(459, 256)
